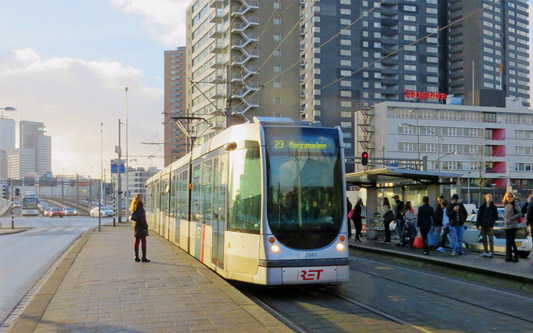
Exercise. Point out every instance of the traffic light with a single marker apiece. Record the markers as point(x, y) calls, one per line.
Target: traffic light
point(4, 192)
point(364, 158)
point(17, 191)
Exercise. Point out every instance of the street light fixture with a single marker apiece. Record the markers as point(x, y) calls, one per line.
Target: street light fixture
point(438, 141)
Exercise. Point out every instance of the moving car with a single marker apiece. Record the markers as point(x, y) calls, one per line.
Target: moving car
point(472, 236)
point(105, 212)
point(45, 211)
point(16, 203)
point(69, 211)
point(56, 211)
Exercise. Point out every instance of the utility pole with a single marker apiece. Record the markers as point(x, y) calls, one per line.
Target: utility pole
point(77, 190)
point(127, 156)
point(118, 150)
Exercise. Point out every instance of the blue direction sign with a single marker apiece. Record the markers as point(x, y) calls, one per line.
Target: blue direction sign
point(115, 166)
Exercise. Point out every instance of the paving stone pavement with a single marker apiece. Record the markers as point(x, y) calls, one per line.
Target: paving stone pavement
point(105, 290)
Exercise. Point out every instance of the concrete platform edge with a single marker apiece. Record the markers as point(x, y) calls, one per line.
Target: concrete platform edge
point(430, 260)
point(34, 310)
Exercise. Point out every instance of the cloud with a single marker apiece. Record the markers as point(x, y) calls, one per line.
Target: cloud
point(73, 97)
point(165, 19)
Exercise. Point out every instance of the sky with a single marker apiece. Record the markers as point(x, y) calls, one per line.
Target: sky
point(67, 62)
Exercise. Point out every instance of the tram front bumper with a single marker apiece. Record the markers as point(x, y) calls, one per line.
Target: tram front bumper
point(318, 271)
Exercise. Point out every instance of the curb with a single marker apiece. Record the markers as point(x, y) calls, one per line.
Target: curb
point(429, 260)
point(34, 310)
point(15, 231)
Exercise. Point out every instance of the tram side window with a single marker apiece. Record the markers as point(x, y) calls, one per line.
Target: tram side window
point(157, 199)
point(245, 191)
point(164, 195)
point(206, 191)
point(195, 206)
point(183, 195)
point(174, 193)
point(148, 199)
point(220, 175)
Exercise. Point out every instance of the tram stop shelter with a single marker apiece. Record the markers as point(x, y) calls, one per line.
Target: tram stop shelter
point(394, 177)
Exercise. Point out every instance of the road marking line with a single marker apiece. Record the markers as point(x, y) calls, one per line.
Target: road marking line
point(69, 229)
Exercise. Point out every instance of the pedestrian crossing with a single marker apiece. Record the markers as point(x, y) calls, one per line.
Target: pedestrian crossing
point(59, 230)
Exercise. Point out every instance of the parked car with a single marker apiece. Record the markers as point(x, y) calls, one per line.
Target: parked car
point(69, 211)
point(472, 236)
point(105, 212)
point(56, 211)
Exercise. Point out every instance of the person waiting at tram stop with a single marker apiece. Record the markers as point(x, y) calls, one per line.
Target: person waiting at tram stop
point(349, 215)
point(425, 219)
point(527, 211)
point(410, 224)
point(388, 216)
point(398, 217)
point(486, 217)
point(358, 219)
point(140, 226)
point(444, 220)
point(511, 218)
point(457, 213)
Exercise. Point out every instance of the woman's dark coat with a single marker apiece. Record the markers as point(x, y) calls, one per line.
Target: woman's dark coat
point(138, 217)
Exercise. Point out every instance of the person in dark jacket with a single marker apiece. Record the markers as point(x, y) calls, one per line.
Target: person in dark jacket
point(511, 217)
point(398, 217)
point(457, 213)
point(358, 219)
point(426, 218)
point(140, 226)
point(486, 217)
point(349, 206)
point(527, 210)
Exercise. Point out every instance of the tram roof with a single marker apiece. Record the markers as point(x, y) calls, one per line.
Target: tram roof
point(393, 174)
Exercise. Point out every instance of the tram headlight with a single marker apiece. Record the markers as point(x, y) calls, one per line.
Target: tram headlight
point(275, 248)
point(340, 247)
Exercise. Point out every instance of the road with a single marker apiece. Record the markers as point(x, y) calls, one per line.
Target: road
point(382, 296)
point(26, 256)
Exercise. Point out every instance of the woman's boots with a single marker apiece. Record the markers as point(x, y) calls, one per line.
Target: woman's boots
point(137, 255)
point(144, 256)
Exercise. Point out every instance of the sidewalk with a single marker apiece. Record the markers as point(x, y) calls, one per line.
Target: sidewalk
point(99, 287)
point(521, 272)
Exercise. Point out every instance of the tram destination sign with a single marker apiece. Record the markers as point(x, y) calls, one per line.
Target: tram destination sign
point(308, 143)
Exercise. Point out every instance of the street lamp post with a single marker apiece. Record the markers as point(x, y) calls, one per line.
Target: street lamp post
point(127, 156)
point(101, 176)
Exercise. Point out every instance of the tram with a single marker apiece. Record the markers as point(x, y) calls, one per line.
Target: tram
point(262, 202)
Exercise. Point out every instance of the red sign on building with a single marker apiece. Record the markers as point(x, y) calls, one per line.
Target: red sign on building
point(423, 95)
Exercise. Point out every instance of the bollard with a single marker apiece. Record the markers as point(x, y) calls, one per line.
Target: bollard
point(114, 210)
point(12, 218)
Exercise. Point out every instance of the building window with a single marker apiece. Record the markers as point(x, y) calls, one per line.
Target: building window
point(277, 37)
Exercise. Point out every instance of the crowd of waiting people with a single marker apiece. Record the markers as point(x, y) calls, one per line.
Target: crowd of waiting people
point(447, 221)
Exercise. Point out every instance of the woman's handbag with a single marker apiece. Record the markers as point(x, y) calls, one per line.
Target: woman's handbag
point(133, 216)
point(418, 242)
point(350, 214)
point(388, 217)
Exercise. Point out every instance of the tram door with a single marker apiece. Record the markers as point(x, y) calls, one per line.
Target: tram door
point(220, 188)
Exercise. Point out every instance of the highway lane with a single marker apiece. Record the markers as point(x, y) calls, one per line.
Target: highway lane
point(26, 256)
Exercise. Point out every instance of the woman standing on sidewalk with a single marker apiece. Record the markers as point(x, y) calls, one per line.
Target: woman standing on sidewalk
point(140, 227)
point(510, 223)
point(387, 216)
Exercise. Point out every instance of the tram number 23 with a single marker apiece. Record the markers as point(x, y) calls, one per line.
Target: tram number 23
point(310, 274)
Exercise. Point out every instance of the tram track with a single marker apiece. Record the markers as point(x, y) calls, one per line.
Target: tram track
point(439, 294)
point(279, 310)
point(383, 296)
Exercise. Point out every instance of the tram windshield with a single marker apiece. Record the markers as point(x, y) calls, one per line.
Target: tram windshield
point(305, 204)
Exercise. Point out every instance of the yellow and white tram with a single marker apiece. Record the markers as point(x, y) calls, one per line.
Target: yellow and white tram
point(262, 202)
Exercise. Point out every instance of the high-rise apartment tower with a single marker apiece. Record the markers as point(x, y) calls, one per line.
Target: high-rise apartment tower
point(242, 61)
point(175, 141)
